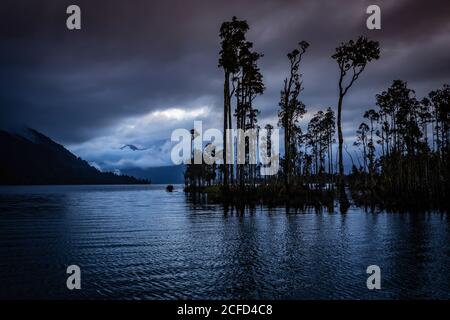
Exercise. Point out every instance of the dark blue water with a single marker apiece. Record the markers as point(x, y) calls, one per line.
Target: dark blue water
point(141, 242)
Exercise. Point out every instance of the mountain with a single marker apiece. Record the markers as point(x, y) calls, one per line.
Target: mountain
point(29, 157)
point(158, 175)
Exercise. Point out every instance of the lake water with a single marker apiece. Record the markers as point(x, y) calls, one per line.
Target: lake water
point(141, 242)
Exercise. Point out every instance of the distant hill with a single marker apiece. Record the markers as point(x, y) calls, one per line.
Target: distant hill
point(158, 175)
point(29, 157)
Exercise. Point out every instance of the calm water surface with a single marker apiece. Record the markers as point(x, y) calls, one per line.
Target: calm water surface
point(141, 242)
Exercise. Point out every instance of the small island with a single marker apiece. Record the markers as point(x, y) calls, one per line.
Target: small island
point(403, 141)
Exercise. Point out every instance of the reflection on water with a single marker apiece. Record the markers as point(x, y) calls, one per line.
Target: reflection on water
point(141, 242)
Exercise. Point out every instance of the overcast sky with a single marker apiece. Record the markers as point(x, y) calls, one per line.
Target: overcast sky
point(139, 69)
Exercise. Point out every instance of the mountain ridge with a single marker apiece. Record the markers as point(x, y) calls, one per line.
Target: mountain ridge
point(30, 157)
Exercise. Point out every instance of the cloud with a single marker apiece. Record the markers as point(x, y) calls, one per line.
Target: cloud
point(139, 69)
point(150, 132)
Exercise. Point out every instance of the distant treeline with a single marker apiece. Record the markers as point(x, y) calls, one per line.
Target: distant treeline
point(403, 141)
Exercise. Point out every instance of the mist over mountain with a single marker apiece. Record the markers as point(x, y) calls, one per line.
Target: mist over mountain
point(29, 157)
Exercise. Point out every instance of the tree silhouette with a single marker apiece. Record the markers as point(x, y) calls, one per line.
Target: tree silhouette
point(291, 110)
point(249, 84)
point(352, 58)
point(361, 141)
point(408, 167)
point(440, 102)
point(329, 126)
point(320, 138)
point(232, 34)
point(404, 141)
point(373, 118)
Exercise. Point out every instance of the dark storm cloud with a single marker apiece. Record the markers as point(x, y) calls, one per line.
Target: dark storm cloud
point(135, 57)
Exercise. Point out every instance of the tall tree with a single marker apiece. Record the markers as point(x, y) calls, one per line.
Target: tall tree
point(232, 34)
point(361, 141)
point(352, 58)
point(249, 86)
point(373, 118)
point(329, 127)
point(291, 110)
point(320, 137)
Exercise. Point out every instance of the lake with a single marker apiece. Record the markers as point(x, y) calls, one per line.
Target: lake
point(141, 242)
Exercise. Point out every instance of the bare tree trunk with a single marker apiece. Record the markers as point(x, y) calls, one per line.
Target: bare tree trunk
point(226, 102)
point(286, 155)
point(340, 139)
point(343, 200)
